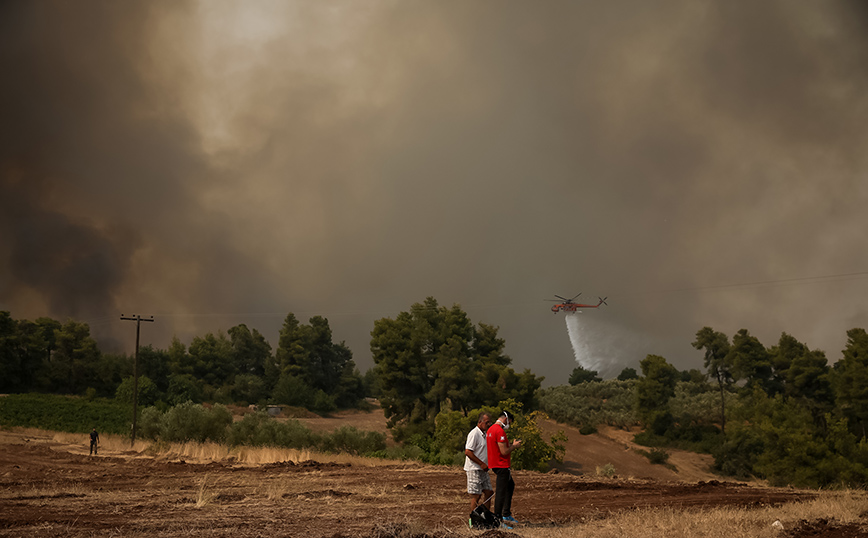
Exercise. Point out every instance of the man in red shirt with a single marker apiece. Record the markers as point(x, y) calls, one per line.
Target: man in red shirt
point(499, 455)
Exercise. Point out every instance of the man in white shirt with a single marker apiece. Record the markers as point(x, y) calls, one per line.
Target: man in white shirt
point(476, 463)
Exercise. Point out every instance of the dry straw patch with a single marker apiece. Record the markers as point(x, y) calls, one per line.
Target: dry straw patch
point(107, 443)
point(723, 522)
point(207, 452)
point(205, 494)
point(47, 490)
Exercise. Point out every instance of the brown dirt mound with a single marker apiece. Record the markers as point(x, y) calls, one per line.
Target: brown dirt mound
point(827, 529)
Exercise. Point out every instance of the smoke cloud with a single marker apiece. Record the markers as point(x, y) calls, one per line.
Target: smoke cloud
point(214, 163)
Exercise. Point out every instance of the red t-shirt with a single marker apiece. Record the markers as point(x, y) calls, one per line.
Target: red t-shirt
point(494, 435)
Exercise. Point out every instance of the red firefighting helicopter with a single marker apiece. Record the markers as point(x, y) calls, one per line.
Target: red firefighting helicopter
point(569, 306)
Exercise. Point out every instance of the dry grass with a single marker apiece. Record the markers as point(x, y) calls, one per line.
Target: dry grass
point(191, 451)
point(46, 490)
point(205, 494)
point(208, 452)
point(107, 443)
point(320, 495)
point(723, 522)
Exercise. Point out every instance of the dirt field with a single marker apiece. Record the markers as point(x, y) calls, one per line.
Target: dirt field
point(51, 488)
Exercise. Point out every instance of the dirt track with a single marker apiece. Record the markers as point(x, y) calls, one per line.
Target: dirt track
point(47, 490)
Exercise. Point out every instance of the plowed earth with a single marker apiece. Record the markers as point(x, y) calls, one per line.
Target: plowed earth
point(48, 489)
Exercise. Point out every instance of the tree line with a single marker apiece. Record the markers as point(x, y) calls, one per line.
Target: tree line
point(428, 359)
point(434, 371)
point(780, 412)
point(308, 369)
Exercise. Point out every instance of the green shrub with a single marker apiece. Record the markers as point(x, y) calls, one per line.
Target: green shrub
point(607, 470)
point(65, 413)
point(591, 404)
point(535, 453)
point(399, 452)
point(656, 456)
point(348, 439)
point(322, 403)
point(150, 424)
point(148, 394)
point(193, 422)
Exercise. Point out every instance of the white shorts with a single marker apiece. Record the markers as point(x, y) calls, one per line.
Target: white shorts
point(477, 482)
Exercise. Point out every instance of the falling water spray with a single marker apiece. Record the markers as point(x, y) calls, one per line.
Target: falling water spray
point(586, 358)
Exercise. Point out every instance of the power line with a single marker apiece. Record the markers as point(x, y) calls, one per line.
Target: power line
point(761, 283)
point(498, 306)
point(138, 320)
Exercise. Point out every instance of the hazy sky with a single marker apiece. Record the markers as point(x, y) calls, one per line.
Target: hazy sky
point(215, 163)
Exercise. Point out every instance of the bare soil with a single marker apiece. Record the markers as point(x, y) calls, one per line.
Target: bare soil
point(48, 488)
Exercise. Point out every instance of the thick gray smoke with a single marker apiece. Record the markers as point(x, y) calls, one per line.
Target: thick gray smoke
point(218, 162)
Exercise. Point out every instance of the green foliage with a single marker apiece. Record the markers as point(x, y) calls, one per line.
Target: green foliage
point(184, 388)
point(535, 453)
point(326, 370)
point(451, 428)
point(65, 413)
point(258, 429)
point(292, 390)
point(607, 470)
point(777, 439)
point(155, 365)
point(25, 347)
point(349, 440)
point(687, 419)
point(433, 358)
point(657, 456)
point(47, 356)
point(150, 423)
point(693, 376)
point(581, 375)
point(322, 402)
point(211, 357)
point(401, 452)
point(750, 361)
point(148, 393)
point(653, 392)
point(193, 422)
point(627, 373)
point(446, 446)
point(590, 404)
point(695, 411)
point(717, 362)
point(696, 404)
point(850, 382)
point(251, 353)
point(74, 358)
point(371, 383)
point(248, 388)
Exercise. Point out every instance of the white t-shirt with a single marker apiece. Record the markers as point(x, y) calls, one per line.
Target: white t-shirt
point(476, 443)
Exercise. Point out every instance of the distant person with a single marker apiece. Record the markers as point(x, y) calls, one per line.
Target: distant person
point(476, 464)
point(94, 441)
point(499, 456)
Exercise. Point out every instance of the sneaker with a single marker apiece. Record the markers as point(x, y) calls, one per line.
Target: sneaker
point(511, 520)
point(505, 526)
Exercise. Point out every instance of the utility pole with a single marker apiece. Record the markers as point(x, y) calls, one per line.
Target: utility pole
point(138, 319)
